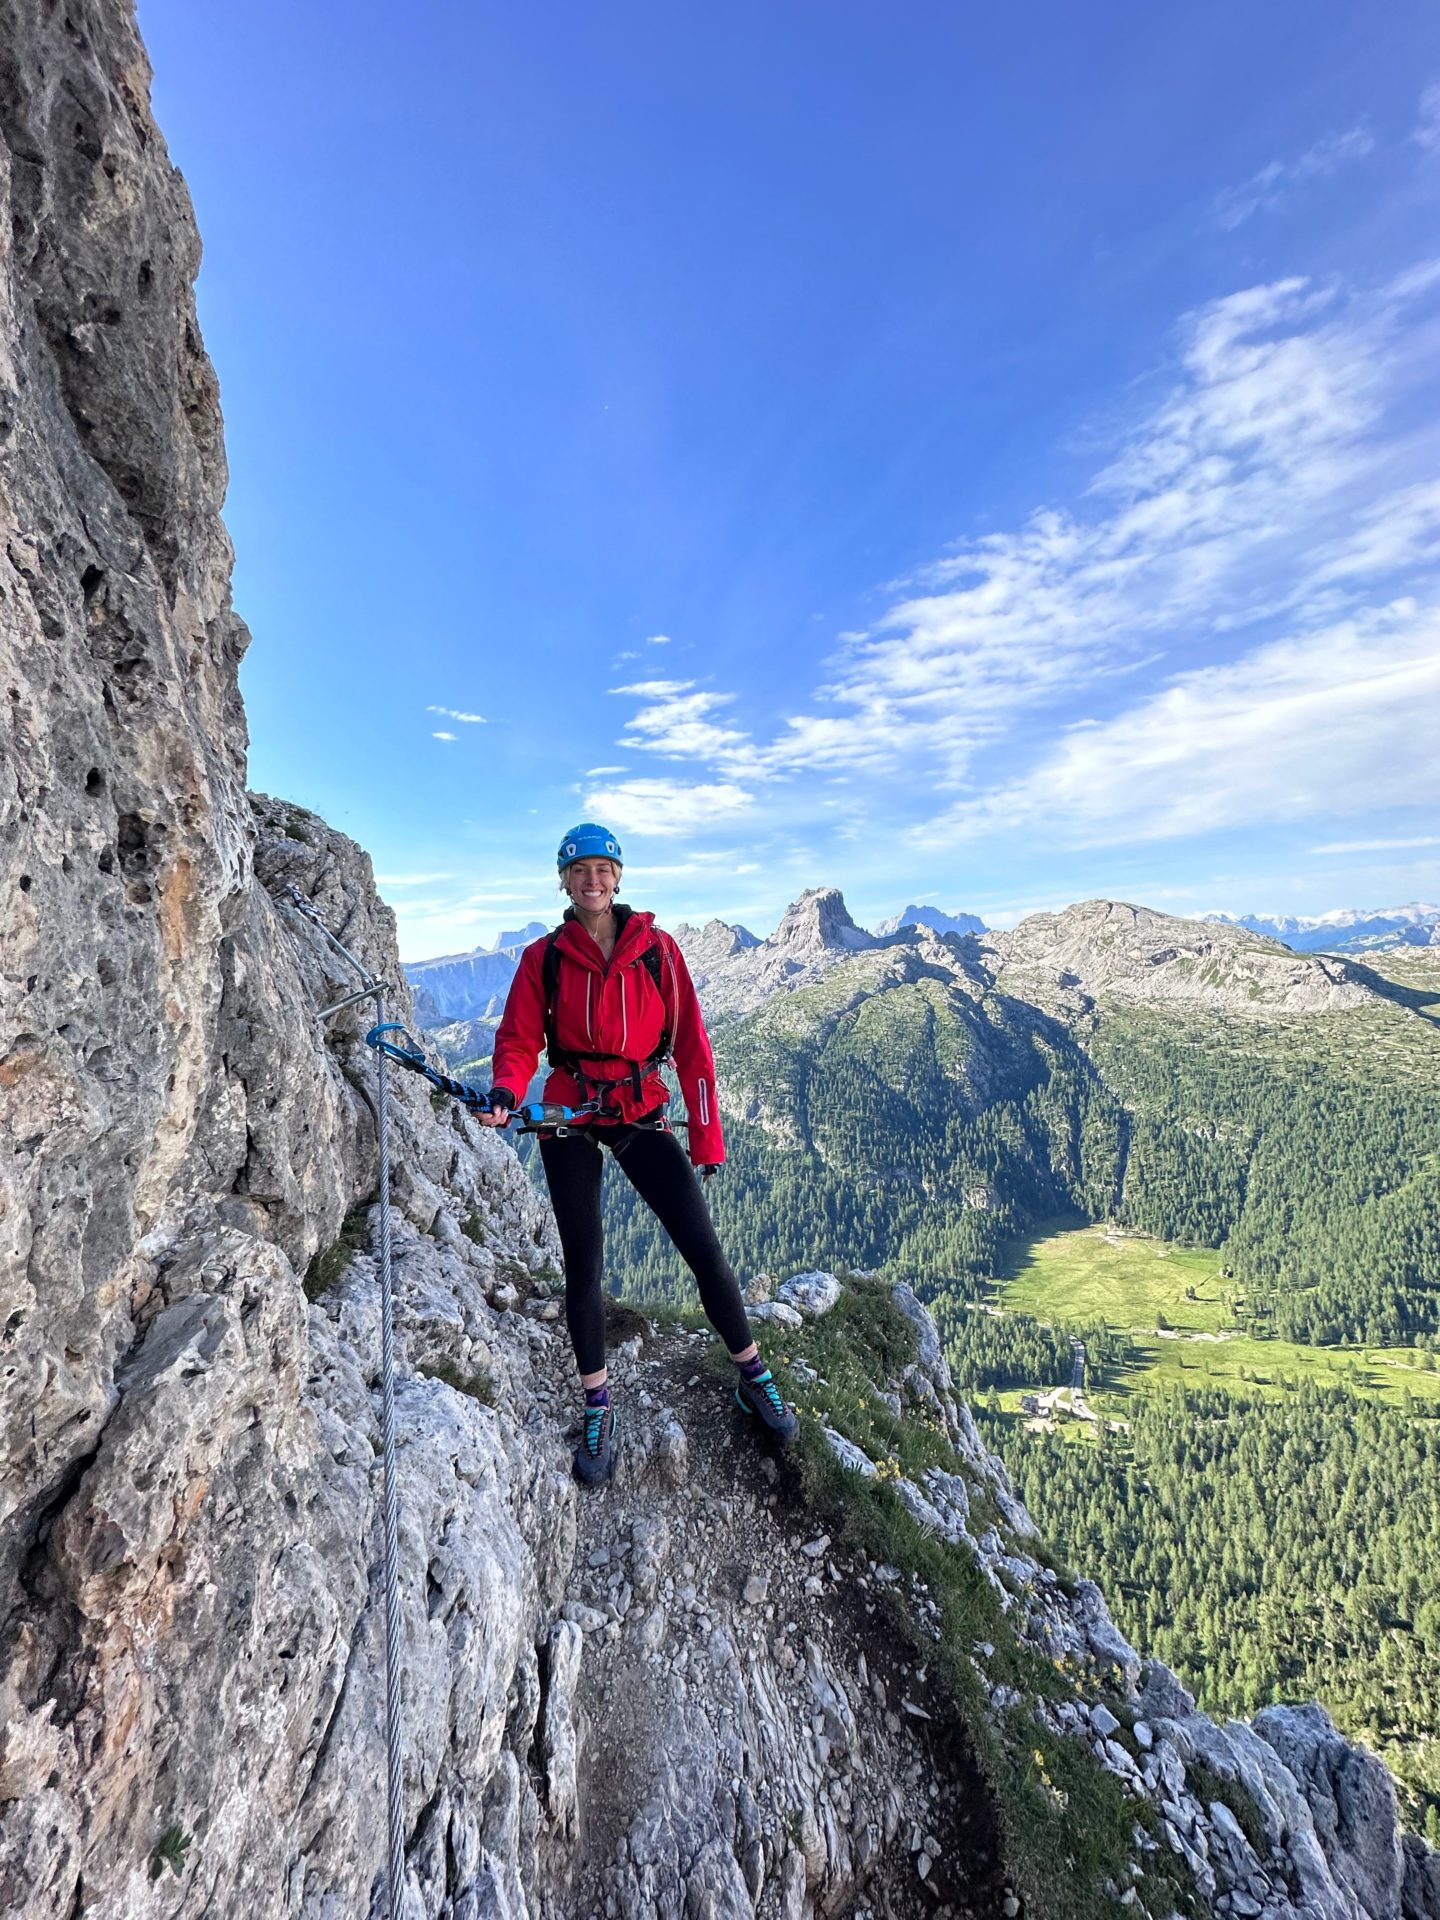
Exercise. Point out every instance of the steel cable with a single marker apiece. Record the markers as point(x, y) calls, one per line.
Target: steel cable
point(394, 1778)
point(394, 1774)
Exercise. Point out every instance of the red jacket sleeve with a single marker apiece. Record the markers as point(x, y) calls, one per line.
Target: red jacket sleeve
point(521, 1033)
point(694, 1062)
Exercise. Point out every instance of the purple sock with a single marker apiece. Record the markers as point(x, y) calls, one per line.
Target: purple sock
point(754, 1369)
point(598, 1396)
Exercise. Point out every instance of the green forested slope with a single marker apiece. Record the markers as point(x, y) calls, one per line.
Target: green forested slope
point(1267, 1550)
point(1274, 1543)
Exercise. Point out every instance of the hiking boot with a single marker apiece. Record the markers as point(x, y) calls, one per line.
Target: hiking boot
point(761, 1399)
point(599, 1443)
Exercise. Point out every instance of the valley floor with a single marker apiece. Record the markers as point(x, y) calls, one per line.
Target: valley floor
point(1175, 1305)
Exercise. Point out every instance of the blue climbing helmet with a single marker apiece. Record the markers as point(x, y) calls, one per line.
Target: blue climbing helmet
point(588, 842)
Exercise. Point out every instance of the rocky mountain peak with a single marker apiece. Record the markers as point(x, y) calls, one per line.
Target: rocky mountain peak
point(1109, 949)
point(819, 921)
point(933, 918)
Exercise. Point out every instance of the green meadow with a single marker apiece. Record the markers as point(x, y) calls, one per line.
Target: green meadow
point(1176, 1306)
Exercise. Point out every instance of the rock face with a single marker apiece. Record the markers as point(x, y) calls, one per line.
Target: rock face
point(190, 1643)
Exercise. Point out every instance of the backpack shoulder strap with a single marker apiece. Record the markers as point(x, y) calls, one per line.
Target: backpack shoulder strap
point(550, 986)
point(653, 961)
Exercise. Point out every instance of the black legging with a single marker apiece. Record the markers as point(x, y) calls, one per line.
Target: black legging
point(654, 1162)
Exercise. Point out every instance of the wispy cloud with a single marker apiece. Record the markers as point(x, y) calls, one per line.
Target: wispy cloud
point(444, 736)
point(598, 773)
point(658, 640)
point(411, 879)
point(453, 713)
point(1278, 478)
point(1379, 846)
point(1271, 187)
point(666, 806)
point(675, 723)
point(1426, 133)
point(1340, 721)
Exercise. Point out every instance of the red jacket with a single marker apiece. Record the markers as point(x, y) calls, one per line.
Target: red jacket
point(617, 1008)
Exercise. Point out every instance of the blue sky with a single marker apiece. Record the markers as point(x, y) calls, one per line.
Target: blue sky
point(986, 458)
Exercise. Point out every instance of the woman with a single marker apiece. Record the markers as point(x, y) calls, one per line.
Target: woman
point(609, 996)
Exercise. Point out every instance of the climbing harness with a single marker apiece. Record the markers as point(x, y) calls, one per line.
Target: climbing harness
point(376, 988)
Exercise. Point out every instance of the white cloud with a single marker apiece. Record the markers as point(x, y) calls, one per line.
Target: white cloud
point(1272, 186)
point(676, 726)
point(453, 713)
point(1278, 477)
point(1379, 846)
point(1322, 724)
point(444, 736)
point(658, 640)
point(1401, 530)
point(666, 806)
point(1426, 133)
point(597, 773)
point(411, 879)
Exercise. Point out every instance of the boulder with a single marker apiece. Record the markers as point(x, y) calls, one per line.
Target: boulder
point(810, 1294)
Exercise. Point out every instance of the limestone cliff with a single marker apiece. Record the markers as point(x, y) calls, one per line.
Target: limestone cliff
point(187, 1458)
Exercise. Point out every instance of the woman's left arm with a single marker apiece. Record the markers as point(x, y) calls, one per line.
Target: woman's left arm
point(694, 1061)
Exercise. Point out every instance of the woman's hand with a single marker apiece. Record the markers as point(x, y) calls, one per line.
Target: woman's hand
point(498, 1112)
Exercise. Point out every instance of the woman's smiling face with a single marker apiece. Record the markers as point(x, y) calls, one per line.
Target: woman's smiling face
point(591, 884)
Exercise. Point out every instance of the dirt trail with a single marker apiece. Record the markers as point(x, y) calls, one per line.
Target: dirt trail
point(729, 1660)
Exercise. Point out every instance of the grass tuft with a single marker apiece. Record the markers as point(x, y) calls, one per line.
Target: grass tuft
point(479, 1386)
point(327, 1269)
point(170, 1851)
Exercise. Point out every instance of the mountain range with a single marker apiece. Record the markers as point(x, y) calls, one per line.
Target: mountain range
point(1348, 929)
point(472, 986)
point(933, 918)
point(468, 986)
